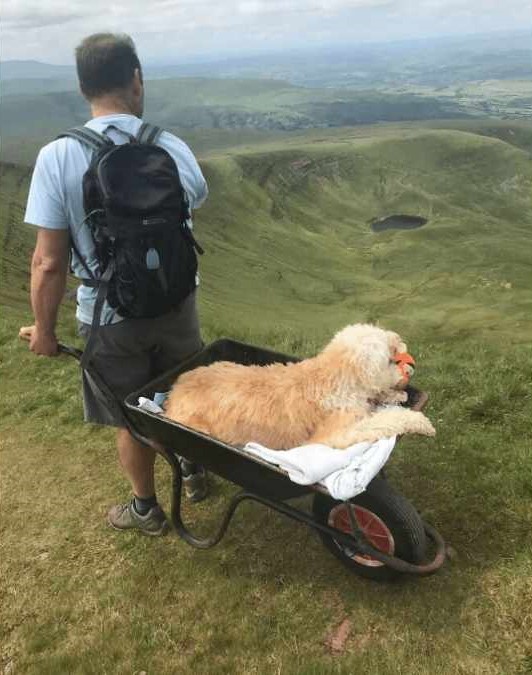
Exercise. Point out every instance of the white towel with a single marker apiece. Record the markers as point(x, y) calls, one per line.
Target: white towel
point(345, 473)
point(149, 405)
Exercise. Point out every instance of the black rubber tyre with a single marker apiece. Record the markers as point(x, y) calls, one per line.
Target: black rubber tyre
point(400, 526)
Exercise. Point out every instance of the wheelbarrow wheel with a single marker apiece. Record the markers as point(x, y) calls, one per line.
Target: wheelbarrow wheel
point(388, 521)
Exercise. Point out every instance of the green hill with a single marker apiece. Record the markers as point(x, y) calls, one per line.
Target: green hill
point(36, 85)
point(295, 223)
point(16, 238)
point(30, 69)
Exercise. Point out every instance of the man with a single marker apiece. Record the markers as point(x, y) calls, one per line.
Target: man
point(128, 353)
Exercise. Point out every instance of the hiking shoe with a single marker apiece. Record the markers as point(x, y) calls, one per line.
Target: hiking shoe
point(125, 517)
point(196, 487)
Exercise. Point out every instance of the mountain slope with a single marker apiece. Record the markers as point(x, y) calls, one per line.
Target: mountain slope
point(288, 231)
point(18, 69)
point(16, 238)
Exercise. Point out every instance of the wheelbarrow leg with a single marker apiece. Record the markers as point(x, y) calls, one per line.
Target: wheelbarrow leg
point(177, 483)
point(177, 521)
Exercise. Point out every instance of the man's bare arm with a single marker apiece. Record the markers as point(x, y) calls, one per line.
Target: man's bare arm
point(49, 268)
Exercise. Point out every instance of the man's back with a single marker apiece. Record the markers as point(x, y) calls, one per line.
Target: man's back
point(56, 198)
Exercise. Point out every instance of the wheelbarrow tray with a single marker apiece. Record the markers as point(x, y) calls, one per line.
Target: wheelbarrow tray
point(230, 462)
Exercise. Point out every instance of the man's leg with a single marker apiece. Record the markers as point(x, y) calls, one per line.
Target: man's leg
point(138, 462)
point(142, 512)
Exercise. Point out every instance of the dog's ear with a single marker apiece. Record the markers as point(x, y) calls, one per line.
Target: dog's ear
point(369, 359)
point(396, 342)
point(363, 351)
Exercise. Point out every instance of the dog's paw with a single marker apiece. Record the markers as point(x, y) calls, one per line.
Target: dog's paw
point(425, 426)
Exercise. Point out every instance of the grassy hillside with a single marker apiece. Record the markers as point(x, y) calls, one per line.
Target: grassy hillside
point(16, 239)
point(36, 85)
point(295, 221)
point(290, 258)
point(517, 133)
point(300, 220)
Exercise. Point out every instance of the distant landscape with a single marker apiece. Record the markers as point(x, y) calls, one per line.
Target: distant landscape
point(436, 62)
point(301, 155)
point(440, 79)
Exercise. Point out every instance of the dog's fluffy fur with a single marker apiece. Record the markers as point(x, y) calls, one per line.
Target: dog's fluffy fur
point(332, 398)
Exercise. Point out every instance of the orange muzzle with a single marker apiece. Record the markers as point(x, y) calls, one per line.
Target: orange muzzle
point(406, 365)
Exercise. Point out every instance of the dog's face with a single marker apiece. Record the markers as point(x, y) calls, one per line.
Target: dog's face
point(399, 356)
point(376, 360)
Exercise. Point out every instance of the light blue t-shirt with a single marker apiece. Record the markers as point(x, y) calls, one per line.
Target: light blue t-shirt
point(55, 199)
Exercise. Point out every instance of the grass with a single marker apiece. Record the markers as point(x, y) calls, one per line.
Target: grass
point(290, 257)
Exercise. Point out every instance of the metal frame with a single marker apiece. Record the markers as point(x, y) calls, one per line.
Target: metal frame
point(356, 541)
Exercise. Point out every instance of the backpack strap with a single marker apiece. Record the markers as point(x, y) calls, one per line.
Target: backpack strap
point(130, 137)
point(74, 250)
point(95, 142)
point(102, 284)
point(148, 133)
point(88, 137)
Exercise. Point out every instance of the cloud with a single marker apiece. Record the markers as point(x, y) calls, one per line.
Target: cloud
point(177, 29)
point(308, 6)
point(18, 14)
point(39, 20)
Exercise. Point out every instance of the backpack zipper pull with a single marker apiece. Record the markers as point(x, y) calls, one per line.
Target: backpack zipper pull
point(153, 262)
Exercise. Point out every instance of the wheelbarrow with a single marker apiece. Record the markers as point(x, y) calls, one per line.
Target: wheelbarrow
point(378, 534)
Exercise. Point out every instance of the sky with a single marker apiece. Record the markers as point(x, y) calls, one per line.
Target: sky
point(177, 31)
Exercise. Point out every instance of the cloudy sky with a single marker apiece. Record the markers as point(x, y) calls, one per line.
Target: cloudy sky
point(171, 31)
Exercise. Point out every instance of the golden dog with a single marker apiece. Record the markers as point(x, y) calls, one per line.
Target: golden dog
point(333, 398)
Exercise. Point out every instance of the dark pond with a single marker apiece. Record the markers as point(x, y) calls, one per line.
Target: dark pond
point(399, 222)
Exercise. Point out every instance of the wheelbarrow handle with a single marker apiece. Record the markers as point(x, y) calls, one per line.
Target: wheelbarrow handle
point(70, 351)
point(25, 334)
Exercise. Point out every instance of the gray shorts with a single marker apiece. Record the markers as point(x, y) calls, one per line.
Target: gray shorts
point(130, 353)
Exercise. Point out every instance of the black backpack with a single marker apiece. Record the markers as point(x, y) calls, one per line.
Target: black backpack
point(137, 212)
